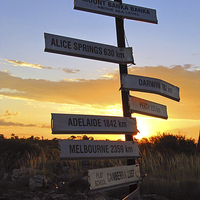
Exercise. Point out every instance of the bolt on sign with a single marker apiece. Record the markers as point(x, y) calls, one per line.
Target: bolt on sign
point(88, 124)
point(93, 149)
point(113, 177)
point(117, 9)
point(85, 49)
point(151, 85)
point(142, 106)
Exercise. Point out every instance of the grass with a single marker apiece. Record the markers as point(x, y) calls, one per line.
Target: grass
point(175, 176)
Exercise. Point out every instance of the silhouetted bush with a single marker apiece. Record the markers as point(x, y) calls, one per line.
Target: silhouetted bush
point(167, 143)
point(15, 151)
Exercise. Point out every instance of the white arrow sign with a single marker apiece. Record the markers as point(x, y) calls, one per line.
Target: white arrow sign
point(106, 178)
point(85, 49)
point(93, 149)
point(88, 124)
point(116, 9)
point(145, 107)
point(151, 85)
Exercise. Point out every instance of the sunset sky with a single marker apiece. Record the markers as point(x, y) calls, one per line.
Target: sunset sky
point(34, 83)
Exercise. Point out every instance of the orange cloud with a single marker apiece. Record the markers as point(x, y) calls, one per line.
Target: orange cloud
point(105, 91)
point(8, 114)
point(98, 91)
point(4, 123)
point(37, 66)
point(25, 64)
point(45, 126)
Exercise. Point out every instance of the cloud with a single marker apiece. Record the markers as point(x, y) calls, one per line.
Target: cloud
point(37, 66)
point(74, 80)
point(8, 114)
point(45, 126)
point(25, 64)
point(4, 123)
point(7, 90)
point(105, 91)
point(109, 75)
point(70, 71)
point(80, 92)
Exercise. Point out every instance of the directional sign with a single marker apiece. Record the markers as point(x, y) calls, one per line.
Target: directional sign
point(93, 149)
point(117, 9)
point(80, 124)
point(86, 49)
point(151, 85)
point(145, 107)
point(107, 178)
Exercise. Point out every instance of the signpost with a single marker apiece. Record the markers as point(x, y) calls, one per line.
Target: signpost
point(117, 9)
point(85, 49)
point(124, 94)
point(113, 177)
point(145, 107)
point(80, 124)
point(107, 178)
point(93, 149)
point(151, 85)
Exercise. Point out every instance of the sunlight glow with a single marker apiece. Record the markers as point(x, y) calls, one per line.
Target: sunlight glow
point(143, 126)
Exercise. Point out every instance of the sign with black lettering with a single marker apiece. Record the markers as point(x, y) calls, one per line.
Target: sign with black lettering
point(145, 107)
point(85, 49)
point(117, 9)
point(88, 124)
point(93, 149)
point(107, 178)
point(151, 85)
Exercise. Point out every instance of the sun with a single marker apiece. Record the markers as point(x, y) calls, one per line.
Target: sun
point(142, 133)
point(143, 128)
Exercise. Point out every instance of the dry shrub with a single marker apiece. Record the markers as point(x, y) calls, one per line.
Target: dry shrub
point(174, 176)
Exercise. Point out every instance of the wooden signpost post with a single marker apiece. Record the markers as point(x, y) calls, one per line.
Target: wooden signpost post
point(125, 94)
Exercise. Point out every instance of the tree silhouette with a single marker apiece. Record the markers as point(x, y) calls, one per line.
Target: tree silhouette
point(167, 143)
point(198, 143)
